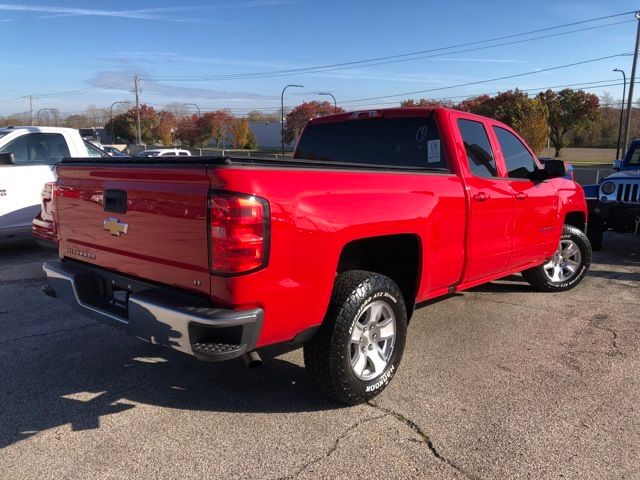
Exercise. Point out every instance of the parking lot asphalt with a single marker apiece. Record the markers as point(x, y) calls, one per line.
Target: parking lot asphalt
point(497, 382)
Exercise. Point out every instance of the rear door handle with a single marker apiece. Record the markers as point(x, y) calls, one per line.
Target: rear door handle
point(481, 197)
point(521, 196)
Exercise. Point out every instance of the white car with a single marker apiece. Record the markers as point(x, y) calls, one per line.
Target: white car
point(27, 161)
point(164, 152)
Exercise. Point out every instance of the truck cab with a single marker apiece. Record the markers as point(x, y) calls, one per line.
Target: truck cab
point(28, 156)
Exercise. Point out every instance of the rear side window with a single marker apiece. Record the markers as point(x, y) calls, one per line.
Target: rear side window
point(37, 149)
point(478, 148)
point(412, 142)
point(519, 162)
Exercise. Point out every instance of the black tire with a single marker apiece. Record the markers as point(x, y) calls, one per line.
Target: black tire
point(595, 232)
point(539, 279)
point(327, 355)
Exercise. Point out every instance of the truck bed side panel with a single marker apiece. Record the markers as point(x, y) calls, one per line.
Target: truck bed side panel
point(313, 216)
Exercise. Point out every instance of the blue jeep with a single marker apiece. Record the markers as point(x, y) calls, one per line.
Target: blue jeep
point(614, 204)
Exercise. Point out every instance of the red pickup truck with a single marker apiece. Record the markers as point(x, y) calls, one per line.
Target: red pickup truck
point(376, 212)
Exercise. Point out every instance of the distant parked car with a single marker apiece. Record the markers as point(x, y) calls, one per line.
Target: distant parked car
point(567, 166)
point(114, 152)
point(164, 152)
point(27, 161)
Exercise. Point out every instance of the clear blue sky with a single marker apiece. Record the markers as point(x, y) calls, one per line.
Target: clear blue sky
point(57, 46)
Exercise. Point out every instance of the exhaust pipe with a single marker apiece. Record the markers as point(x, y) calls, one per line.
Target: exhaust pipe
point(252, 359)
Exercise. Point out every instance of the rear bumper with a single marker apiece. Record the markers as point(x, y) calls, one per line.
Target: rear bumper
point(44, 233)
point(155, 314)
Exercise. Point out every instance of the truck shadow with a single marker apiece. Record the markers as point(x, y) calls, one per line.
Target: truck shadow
point(79, 389)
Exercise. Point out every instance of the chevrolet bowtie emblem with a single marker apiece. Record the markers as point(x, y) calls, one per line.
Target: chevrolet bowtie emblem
point(114, 226)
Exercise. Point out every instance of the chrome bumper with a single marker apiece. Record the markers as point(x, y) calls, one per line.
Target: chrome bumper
point(155, 314)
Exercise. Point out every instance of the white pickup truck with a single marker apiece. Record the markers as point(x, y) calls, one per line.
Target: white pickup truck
point(27, 161)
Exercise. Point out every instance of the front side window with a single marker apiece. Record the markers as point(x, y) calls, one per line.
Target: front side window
point(478, 148)
point(519, 162)
point(38, 149)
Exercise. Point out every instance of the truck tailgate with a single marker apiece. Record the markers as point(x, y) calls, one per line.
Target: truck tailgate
point(148, 221)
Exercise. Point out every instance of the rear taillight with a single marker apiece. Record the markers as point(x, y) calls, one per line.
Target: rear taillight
point(239, 232)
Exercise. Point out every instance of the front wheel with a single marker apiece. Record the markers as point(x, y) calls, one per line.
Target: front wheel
point(567, 267)
point(360, 344)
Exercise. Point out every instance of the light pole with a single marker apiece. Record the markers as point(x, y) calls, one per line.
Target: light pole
point(624, 90)
point(199, 121)
point(42, 110)
point(335, 104)
point(282, 113)
point(632, 81)
point(113, 137)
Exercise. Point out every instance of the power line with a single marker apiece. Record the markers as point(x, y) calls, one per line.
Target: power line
point(478, 82)
point(404, 56)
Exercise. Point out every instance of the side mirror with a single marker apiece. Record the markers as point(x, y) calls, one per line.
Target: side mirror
point(616, 165)
point(554, 169)
point(7, 159)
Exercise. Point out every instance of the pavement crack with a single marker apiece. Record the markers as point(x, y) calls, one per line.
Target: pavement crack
point(47, 333)
point(424, 437)
point(333, 448)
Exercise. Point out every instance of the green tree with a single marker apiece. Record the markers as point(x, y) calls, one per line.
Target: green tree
point(124, 127)
point(569, 111)
point(427, 102)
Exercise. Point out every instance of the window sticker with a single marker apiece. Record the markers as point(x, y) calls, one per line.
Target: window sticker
point(433, 151)
point(421, 134)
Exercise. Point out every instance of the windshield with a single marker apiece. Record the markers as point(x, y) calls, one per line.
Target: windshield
point(94, 152)
point(634, 159)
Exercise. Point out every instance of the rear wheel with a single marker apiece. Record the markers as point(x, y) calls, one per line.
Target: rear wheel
point(567, 267)
point(359, 346)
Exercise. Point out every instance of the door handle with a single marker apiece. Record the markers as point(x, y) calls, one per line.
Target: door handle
point(521, 196)
point(481, 197)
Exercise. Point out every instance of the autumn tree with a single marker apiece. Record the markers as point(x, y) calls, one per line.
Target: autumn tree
point(298, 117)
point(188, 131)
point(165, 127)
point(569, 110)
point(148, 122)
point(240, 132)
point(217, 125)
point(479, 105)
point(527, 116)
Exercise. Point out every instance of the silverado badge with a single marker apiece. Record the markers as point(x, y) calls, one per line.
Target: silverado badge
point(114, 226)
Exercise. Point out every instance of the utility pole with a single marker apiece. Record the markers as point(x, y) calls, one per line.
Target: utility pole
point(138, 132)
point(631, 83)
point(624, 90)
point(30, 110)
